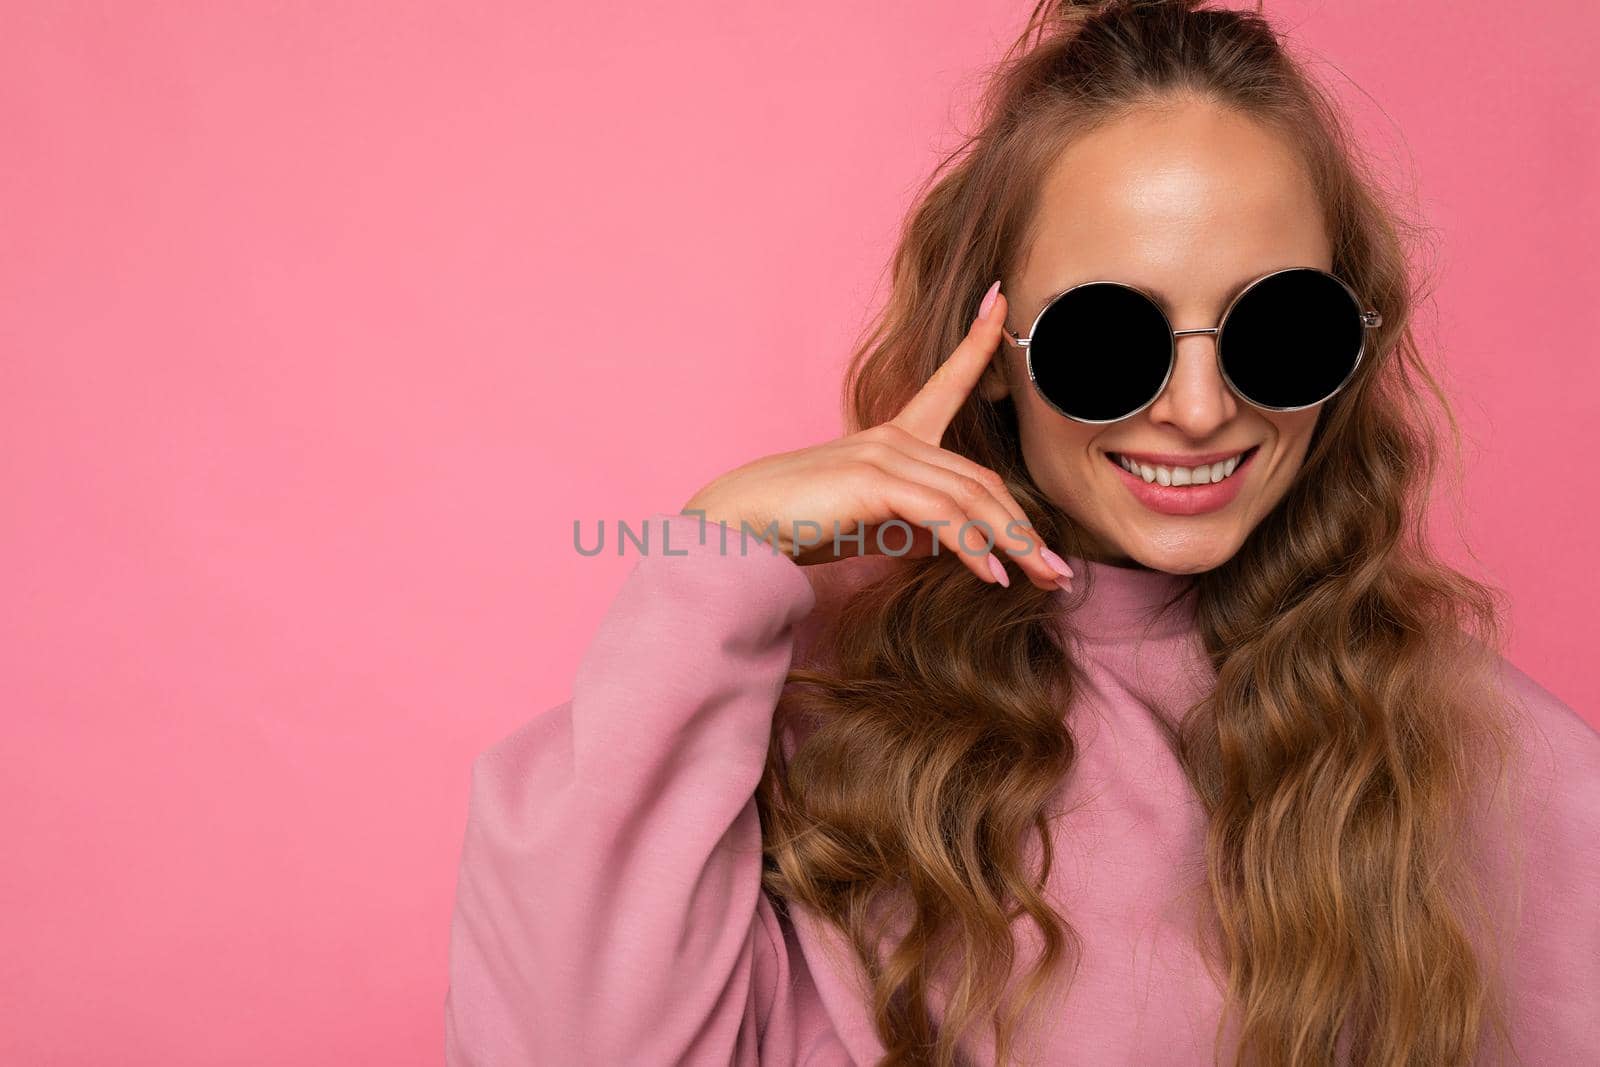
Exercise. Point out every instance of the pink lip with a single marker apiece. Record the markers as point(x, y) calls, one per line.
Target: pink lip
point(1186, 499)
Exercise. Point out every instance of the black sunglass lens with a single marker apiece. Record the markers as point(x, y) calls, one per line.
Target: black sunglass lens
point(1100, 352)
point(1292, 339)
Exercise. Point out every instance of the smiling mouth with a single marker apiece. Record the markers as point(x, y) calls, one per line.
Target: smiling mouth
point(1163, 474)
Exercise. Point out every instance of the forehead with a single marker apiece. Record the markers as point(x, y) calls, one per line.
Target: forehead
point(1188, 201)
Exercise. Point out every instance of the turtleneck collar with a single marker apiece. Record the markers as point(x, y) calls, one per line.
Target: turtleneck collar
point(1110, 602)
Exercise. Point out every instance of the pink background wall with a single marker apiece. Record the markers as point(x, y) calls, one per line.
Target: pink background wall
point(320, 323)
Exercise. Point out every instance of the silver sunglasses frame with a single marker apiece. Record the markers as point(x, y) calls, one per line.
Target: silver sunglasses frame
point(1370, 319)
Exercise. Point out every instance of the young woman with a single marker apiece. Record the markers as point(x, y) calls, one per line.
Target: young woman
point(1146, 730)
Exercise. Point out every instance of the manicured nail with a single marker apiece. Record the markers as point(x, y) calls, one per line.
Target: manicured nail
point(988, 299)
point(1057, 564)
point(998, 570)
point(1065, 584)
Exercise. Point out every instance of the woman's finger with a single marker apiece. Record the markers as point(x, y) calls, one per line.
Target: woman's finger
point(921, 504)
point(943, 457)
point(1005, 525)
point(929, 412)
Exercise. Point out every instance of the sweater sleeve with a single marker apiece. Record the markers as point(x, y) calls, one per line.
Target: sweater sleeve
point(608, 902)
point(1554, 979)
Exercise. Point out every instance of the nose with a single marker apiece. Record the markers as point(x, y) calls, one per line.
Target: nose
point(1196, 400)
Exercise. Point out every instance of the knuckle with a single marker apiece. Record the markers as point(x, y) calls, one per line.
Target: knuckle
point(876, 452)
point(941, 501)
point(860, 471)
point(888, 433)
point(970, 491)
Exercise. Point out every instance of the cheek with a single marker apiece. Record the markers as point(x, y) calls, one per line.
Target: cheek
point(1294, 432)
point(1296, 427)
point(1057, 450)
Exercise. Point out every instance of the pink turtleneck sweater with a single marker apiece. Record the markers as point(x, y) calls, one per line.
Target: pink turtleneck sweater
point(609, 908)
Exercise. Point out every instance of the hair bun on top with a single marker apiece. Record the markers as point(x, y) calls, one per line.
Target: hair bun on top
point(1096, 6)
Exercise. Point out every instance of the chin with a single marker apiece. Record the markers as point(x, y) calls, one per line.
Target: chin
point(1192, 568)
point(1178, 559)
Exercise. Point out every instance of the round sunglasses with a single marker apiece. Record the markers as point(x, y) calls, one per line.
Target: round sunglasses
point(1103, 351)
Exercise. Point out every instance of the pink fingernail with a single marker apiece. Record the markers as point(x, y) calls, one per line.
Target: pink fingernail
point(1057, 564)
point(988, 299)
point(1065, 585)
point(998, 570)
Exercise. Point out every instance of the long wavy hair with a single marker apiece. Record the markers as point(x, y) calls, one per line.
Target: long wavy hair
point(1339, 752)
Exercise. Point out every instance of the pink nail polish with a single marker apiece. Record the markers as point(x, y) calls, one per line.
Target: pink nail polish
point(998, 570)
point(988, 299)
point(1057, 564)
point(1065, 585)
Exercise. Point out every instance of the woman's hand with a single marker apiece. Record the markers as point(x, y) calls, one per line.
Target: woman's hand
point(894, 471)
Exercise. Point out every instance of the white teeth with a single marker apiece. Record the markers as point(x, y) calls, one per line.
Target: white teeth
point(1201, 475)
